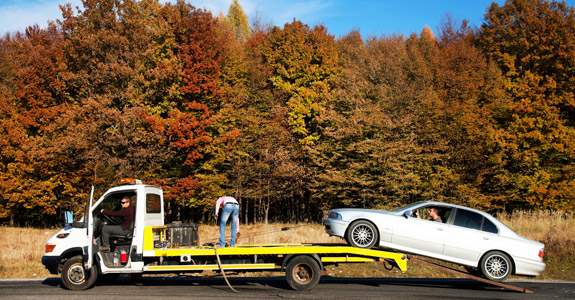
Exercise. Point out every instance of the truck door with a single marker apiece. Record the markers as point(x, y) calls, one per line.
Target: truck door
point(88, 250)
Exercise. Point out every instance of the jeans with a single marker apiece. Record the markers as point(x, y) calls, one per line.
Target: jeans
point(232, 209)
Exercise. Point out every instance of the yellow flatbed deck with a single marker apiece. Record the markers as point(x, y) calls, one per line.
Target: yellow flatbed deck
point(326, 253)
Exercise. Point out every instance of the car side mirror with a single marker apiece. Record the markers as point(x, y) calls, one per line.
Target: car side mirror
point(407, 213)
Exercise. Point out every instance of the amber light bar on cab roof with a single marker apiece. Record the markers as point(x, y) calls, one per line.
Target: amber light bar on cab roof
point(123, 181)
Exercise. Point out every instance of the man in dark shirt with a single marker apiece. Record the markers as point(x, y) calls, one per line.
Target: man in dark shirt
point(127, 213)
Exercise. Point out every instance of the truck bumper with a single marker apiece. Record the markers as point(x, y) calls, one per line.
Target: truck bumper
point(52, 263)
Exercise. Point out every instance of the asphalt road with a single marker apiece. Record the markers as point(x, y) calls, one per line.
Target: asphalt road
point(277, 288)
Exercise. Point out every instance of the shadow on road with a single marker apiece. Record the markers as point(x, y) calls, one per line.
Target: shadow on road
point(280, 282)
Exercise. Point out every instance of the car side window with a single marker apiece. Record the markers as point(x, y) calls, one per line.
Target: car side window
point(468, 219)
point(425, 213)
point(488, 226)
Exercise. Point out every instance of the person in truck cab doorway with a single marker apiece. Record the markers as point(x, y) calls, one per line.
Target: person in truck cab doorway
point(231, 207)
point(127, 213)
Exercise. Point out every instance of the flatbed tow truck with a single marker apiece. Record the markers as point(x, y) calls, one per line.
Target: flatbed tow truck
point(156, 248)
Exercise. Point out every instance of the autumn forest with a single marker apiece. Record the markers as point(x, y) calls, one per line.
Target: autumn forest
point(290, 120)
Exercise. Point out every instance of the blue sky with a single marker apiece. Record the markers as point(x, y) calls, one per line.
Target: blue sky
point(371, 17)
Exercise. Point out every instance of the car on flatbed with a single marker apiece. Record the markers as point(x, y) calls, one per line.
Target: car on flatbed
point(461, 235)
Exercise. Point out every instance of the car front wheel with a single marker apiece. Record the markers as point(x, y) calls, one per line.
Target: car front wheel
point(496, 266)
point(362, 234)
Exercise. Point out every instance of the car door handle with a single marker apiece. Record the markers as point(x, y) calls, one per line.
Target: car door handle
point(440, 229)
point(486, 238)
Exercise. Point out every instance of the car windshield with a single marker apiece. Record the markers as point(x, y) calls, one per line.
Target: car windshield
point(409, 207)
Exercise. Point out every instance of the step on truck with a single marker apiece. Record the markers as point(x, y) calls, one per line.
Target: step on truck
point(153, 247)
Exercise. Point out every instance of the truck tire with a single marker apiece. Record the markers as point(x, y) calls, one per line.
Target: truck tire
point(362, 234)
point(303, 273)
point(75, 277)
point(496, 266)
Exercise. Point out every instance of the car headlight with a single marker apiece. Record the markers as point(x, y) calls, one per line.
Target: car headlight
point(334, 215)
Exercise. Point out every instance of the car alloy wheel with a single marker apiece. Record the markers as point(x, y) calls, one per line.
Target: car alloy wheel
point(362, 234)
point(496, 266)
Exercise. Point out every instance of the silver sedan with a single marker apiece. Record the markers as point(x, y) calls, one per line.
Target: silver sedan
point(453, 233)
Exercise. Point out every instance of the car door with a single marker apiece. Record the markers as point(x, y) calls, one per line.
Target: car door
point(468, 236)
point(419, 235)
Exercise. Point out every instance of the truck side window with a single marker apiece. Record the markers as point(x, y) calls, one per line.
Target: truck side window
point(153, 204)
point(111, 202)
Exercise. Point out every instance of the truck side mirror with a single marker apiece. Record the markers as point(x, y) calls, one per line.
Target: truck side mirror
point(68, 217)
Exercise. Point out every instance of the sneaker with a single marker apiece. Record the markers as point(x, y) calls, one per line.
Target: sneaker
point(104, 249)
point(218, 247)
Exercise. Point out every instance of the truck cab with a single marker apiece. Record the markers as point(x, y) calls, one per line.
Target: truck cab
point(74, 252)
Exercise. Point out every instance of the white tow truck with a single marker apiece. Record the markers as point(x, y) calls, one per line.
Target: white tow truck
point(153, 247)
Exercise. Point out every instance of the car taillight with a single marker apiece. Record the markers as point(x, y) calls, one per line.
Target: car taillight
point(50, 248)
point(541, 253)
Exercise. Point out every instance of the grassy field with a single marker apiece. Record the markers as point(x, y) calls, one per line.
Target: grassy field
point(23, 247)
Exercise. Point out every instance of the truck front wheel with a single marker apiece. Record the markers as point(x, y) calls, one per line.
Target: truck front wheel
point(303, 273)
point(75, 277)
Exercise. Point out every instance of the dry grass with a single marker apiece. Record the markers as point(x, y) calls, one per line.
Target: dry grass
point(554, 229)
point(271, 234)
point(22, 250)
point(23, 247)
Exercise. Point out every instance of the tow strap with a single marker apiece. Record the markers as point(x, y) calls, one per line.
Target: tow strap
point(222, 271)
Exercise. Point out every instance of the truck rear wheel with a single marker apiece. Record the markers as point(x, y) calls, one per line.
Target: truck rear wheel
point(303, 273)
point(75, 277)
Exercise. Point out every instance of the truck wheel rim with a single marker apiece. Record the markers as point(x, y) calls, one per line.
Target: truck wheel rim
point(302, 273)
point(76, 274)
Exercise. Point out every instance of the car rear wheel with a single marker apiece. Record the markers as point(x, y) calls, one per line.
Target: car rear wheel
point(362, 234)
point(496, 266)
